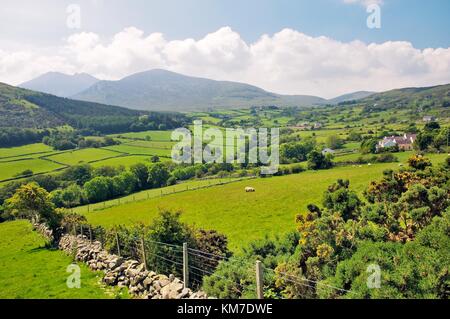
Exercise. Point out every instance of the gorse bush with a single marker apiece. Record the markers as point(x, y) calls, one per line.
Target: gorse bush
point(401, 227)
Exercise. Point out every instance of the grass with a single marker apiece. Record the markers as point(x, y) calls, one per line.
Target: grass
point(28, 270)
point(139, 150)
point(154, 135)
point(83, 156)
point(401, 156)
point(152, 144)
point(153, 193)
point(126, 161)
point(23, 150)
point(243, 216)
point(12, 169)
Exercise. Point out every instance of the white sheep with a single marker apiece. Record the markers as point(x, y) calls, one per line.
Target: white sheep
point(250, 190)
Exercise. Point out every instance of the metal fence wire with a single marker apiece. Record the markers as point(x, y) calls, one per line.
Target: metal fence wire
point(190, 264)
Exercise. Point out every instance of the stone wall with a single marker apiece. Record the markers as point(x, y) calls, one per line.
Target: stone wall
point(45, 231)
point(126, 273)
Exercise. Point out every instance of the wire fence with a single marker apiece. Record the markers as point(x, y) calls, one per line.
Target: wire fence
point(193, 265)
point(161, 192)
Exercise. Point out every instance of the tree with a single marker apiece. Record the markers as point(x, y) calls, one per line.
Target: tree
point(369, 146)
point(423, 141)
point(431, 126)
point(71, 196)
point(316, 161)
point(98, 189)
point(140, 170)
point(78, 173)
point(32, 202)
point(334, 142)
point(158, 175)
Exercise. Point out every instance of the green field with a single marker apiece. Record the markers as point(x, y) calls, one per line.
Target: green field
point(139, 150)
point(25, 150)
point(12, 169)
point(245, 216)
point(154, 135)
point(152, 144)
point(83, 156)
point(29, 270)
point(153, 193)
point(126, 161)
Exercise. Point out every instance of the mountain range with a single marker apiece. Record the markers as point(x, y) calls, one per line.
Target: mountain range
point(22, 108)
point(60, 84)
point(161, 90)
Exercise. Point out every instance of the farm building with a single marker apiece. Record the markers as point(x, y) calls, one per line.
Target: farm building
point(429, 119)
point(328, 151)
point(404, 142)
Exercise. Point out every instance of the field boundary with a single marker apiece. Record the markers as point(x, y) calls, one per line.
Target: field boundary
point(132, 198)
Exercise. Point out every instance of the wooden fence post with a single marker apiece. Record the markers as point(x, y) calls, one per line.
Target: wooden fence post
point(118, 244)
point(144, 255)
point(185, 265)
point(81, 230)
point(259, 280)
point(90, 233)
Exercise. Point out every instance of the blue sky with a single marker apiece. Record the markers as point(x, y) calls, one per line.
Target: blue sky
point(317, 47)
point(424, 23)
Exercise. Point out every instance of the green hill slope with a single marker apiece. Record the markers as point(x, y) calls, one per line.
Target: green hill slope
point(21, 108)
point(29, 270)
point(436, 98)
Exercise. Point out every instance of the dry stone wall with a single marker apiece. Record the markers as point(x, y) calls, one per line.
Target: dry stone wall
point(126, 273)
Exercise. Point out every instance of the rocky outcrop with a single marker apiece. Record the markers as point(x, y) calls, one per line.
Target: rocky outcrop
point(127, 273)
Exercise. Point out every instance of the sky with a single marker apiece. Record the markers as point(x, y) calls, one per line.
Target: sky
point(320, 47)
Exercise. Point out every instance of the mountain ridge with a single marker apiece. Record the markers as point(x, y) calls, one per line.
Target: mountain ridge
point(159, 90)
point(60, 84)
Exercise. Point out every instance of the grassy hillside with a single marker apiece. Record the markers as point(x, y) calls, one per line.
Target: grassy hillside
point(29, 270)
point(242, 216)
point(434, 99)
point(20, 108)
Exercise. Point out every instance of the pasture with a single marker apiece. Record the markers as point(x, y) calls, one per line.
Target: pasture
point(139, 150)
point(152, 135)
point(87, 155)
point(34, 149)
point(154, 193)
point(28, 270)
point(242, 216)
point(12, 169)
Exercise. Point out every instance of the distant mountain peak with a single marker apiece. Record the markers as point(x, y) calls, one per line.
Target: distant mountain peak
point(60, 84)
point(163, 90)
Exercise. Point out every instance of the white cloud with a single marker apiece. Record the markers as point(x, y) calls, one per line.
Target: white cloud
point(287, 62)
